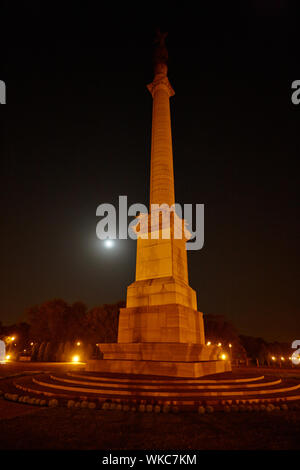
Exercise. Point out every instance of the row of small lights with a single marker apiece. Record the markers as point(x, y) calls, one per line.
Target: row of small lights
point(207, 344)
point(77, 358)
point(223, 356)
point(219, 344)
point(282, 358)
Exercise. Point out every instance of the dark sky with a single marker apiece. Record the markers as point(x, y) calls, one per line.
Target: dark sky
point(76, 133)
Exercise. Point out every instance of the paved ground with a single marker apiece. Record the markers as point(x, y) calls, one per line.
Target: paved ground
point(28, 427)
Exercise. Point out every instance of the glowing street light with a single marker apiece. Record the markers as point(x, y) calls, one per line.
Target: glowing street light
point(7, 357)
point(219, 344)
point(230, 345)
point(273, 358)
point(78, 343)
point(75, 359)
point(282, 358)
point(223, 357)
point(208, 343)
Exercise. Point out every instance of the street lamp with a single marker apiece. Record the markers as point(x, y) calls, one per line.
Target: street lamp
point(230, 346)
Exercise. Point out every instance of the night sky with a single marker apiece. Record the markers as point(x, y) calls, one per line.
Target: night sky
point(76, 132)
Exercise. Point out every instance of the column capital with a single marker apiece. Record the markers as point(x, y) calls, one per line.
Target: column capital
point(160, 81)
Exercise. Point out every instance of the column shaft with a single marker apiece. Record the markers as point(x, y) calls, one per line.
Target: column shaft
point(162, 175)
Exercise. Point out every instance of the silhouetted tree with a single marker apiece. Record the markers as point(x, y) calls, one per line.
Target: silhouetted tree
point(59, 352)
point(40, 355)
point(35, 351)
point(47, 352)
point(66, 357)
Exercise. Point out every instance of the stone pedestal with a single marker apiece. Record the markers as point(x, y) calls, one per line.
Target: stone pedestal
point(169, 323)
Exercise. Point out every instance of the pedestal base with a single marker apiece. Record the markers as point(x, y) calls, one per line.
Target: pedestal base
point(159, 368)
point(161, 359)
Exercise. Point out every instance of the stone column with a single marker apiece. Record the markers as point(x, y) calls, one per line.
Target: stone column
point(162, 175)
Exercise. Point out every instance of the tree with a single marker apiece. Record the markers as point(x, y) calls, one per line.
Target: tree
point(66, 356)
point(256, 349)
point(47, 352)
point(35, 351)
point(75, 320)
point(40, 355)
point(101, 323)
point(59, 352)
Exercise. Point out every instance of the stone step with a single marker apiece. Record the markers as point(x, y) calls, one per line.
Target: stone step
point(44, 385)
point(119, 378)
point(51, 383)
point(165, 386)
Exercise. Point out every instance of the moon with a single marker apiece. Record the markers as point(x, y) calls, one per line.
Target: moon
point(108, 243)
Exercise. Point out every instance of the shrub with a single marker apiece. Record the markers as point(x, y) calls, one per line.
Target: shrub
point(53, 403)
point(270, 407)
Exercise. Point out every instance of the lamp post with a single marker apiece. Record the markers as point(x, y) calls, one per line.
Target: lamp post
point(230, 351)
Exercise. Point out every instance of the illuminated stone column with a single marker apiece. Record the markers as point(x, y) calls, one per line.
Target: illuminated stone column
point(162, 175)
point(161, 331)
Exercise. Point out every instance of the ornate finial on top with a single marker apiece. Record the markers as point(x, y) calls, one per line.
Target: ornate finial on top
point(160, 56)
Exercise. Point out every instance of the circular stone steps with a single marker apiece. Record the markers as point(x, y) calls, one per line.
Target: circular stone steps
point(188, 393)
point(167, 380)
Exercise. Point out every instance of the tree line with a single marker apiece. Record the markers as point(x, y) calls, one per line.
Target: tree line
point(56, 331)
